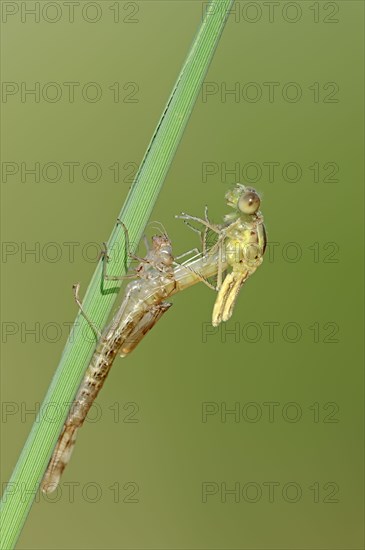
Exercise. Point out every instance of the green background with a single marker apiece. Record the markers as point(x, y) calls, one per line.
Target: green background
point(169, 453)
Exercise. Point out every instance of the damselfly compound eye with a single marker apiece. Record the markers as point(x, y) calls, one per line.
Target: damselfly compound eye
point(249, 202)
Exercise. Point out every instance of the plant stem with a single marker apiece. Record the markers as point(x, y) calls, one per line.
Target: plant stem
point(99, 298)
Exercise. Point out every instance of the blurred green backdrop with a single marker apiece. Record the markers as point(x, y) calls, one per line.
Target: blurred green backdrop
point(162, 463)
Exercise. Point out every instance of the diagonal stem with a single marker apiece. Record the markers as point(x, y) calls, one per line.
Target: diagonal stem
point(99, 299)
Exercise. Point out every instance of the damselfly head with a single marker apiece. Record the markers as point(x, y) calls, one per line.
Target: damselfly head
point(249, 202)
point(246, 199)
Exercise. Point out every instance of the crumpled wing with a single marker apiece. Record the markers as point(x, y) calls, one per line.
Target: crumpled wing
point(228, 294)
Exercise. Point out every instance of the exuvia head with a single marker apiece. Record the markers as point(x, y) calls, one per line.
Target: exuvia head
point(245, 199)
point(163, 249)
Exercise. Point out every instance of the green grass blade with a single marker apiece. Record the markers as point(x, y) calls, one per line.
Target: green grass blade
point(21, 489)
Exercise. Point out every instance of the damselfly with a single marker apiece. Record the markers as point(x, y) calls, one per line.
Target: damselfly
point(240, 244)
